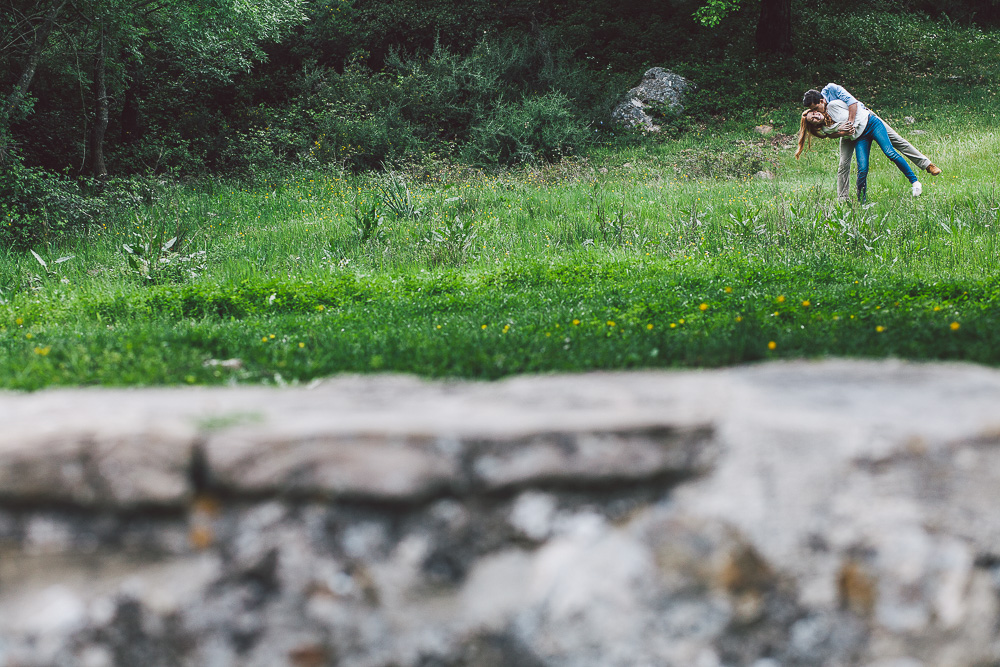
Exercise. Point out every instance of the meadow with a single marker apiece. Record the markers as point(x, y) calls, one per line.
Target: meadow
point(710, 249)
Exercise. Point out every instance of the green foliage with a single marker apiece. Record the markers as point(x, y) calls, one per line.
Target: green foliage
point(391, 196)
point(451, 241)
point(915, 57)
point(161, 57)
point(395, 195)
point(538, 128)
point(235, 89)
point(713, 11)
point(504, 102)
point(368, 221)
point(154, 258)
point(217, 38)
point(51, 267)
point(342, 120)
point(615, 221)
point(616, 39)
point(36, 205)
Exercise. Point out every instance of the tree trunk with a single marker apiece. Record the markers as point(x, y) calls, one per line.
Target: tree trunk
point(96, 166)
point(21, 87)
point(774, 28)
point(37, 46)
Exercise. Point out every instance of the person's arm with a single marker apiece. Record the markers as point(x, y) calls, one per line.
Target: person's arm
point(826, 132)
point(834, 91)
point(848, 127)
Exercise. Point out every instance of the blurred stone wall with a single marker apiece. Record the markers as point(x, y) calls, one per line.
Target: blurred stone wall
point(833, 513)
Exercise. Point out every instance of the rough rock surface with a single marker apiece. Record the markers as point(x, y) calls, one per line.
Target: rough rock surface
point(658, 88)
point(791, 514)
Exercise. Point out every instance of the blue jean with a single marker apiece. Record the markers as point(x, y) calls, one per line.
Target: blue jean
point(875, 131)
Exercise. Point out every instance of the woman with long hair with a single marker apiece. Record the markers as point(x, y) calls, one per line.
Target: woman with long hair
point(867, 128)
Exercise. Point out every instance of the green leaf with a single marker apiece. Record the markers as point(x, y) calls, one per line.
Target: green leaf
point(713, 11)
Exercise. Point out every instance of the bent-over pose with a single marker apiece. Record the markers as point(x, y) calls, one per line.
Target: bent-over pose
point(817, 100)
point(865, 128)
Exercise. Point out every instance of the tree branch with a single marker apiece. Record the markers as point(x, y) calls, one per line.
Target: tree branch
point(154, 9)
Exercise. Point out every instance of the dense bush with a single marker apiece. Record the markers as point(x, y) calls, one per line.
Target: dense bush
point(35, 203)
point(505, 103)
point(541, 127)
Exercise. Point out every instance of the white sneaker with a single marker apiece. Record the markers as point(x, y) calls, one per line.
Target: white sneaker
point(917, 188)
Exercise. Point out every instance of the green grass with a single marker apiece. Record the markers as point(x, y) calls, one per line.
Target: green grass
point(668, 254)
point(531, 319)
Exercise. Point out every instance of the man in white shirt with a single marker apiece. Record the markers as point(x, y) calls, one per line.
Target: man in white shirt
point(818, 99)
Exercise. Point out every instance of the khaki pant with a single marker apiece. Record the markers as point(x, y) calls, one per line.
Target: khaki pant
point(847, 155)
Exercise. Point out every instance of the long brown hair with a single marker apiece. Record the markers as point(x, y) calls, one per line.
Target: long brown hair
point(808, 130)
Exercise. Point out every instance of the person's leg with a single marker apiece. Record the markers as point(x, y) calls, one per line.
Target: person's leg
point(844, 169)
point(861, 148)
point(906, 148)
point(881, 137)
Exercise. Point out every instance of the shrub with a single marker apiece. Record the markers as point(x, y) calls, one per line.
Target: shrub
point(507, 102)
point(541, 127)
point(35, 204)
point(347, 119)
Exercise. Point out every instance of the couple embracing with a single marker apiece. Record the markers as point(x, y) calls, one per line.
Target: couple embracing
point(834, 112)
